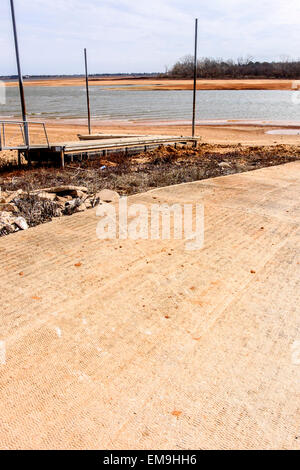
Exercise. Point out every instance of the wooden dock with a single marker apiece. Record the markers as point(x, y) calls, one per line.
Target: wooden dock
point(85, 148)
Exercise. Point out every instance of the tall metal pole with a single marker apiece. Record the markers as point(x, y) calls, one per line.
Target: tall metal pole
point(21, 86)
point(87, 91)
point(195, 77)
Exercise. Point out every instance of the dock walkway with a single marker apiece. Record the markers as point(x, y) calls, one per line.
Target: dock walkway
point(102, 146)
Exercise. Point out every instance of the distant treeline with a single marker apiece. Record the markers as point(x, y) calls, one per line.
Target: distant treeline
point(241, 68)
point(93, 75)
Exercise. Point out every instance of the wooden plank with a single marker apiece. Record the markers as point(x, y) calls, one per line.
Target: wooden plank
point(103, 136)
point(120, 143)
point(104, 145)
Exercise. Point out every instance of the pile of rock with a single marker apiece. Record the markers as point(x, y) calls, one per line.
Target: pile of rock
point(68, 199)
point(10, 219)
point(56, 201)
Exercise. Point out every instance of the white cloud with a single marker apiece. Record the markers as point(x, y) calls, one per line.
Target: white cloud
point(130, 35)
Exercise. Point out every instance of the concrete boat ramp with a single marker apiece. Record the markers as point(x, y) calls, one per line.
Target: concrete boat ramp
point(124, 344)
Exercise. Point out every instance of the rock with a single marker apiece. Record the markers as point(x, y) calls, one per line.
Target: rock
point(61, 201)
point(6, 228)
point(8, 207)
point(58, 212)
point(48, 196)
point(14, 195)
point(6, 218)
point(74, 202)
point(7, 221)
point(81, 208)
point(95, 201)
point(224, 165)
point(240, 166)
point(78, 193)
point(107, 195)
point(75, 191)
point(21, 223)
point(88, 203)
point(3, 197)
point(72, 206)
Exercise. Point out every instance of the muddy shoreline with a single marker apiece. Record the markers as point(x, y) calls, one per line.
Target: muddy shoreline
point(164, 84)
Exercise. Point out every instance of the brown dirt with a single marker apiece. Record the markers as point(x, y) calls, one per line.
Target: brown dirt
point(167, 84)
point(162, 166)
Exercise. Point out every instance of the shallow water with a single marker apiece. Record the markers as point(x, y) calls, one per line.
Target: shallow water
point(284, 132)
point(148, 105)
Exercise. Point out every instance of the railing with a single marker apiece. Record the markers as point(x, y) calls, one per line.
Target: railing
point(25, 130)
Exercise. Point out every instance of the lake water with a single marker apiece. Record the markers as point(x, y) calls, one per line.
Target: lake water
point(140, 105)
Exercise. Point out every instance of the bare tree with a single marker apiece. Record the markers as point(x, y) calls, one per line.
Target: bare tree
point(243, 67)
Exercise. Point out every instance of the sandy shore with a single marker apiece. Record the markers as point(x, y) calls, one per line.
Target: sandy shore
point(165, 84)
point(230, 132)
point(218, 134)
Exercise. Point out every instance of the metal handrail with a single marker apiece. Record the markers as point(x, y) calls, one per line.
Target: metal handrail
point(22, 125)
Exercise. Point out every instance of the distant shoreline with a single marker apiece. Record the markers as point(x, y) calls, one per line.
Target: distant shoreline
point(256, 123)
point(139, 83)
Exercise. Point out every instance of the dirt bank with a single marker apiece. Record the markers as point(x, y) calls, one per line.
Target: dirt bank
point(165, 84)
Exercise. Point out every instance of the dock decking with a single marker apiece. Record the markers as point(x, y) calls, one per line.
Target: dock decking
point(59, 151)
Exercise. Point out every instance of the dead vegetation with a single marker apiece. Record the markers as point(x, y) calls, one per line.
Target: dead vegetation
point(160, 167)
point(36, 210)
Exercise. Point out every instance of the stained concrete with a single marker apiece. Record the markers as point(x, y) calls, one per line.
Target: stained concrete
point(124, 344)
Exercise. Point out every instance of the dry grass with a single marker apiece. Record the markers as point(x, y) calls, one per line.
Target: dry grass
point(160, 167)
point(36, 210)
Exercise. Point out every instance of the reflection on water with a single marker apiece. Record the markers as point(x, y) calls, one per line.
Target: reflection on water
point(137, 105)
point(284, 132)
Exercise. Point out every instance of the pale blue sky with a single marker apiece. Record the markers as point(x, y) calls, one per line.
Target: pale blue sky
point(143, 35)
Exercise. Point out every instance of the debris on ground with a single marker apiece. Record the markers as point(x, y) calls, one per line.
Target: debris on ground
point(10, 223)
point(31, 208)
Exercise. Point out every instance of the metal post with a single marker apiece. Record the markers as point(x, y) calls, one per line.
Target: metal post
point(46, 135)
point(3, 133)
point(195, 77)
point(87, 91)
point(62, 158)
point(21, 86)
